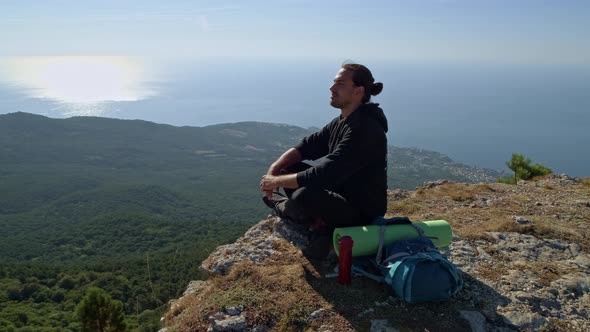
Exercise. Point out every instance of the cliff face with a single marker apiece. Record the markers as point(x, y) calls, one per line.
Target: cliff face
point(523, 251)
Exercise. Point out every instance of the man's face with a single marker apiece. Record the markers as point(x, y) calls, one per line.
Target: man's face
point(343, 91)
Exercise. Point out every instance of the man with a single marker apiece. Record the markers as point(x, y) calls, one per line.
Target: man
point(348, 185)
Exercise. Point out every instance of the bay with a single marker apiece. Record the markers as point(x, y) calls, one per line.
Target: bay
point(476, 114)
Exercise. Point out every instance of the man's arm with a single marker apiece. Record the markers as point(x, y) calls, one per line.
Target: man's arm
point(289, 158)
point(273, 180)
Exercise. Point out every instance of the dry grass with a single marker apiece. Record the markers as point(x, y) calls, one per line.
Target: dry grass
point(492, 271)
point(461, 196)
point(556, 324)
point(276, 293)
point(404, 207)
point(458, 192)
point(485, 187)
point(541, 177)
point(547, 273)
point(473, 210)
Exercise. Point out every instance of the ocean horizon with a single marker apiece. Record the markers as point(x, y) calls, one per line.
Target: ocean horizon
point(476, 114)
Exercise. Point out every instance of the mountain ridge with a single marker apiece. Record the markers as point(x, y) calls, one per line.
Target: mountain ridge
point(265, 140)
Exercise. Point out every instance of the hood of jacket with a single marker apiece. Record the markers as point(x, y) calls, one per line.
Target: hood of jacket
point(373, 110)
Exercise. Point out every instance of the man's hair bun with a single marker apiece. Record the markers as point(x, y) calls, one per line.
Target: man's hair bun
point(376, 88)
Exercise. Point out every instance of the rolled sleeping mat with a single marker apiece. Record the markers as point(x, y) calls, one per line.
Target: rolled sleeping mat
point(366, 238)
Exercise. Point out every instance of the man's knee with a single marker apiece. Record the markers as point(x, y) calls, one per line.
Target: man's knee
point(305, 197)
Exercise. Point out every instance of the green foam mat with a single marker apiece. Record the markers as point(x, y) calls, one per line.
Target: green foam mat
point(366, 238)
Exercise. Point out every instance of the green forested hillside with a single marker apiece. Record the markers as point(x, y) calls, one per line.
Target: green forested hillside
point(133, 207)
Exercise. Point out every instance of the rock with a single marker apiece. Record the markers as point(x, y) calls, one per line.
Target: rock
point(256, 245)
point(428, 216)
point(397, 194)
point(482, 254)
point(294, 233)
point(316, 314)
point(522, 220)
point(561, 180)
point(216, 316)
point(195, 287)
point(230, 323)
point(233, 311)
point(575, 249)
point(433, 184)
point(259, 328)
point(382, 325)
point(583, 261)
point(476, 320)
point(524, 319)
point(576, 284)
point(366, 312)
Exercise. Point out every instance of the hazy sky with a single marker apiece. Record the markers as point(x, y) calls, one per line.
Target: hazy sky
point(513, 31)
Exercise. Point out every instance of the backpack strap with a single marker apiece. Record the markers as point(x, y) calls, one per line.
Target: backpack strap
point(419, 230)
point(403, 254)
point(357, 270)
point(381, 221)
point(422, 234)
point(391, 221)
point(395, 221)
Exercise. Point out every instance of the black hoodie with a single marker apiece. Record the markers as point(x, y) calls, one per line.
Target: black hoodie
point(355, 159)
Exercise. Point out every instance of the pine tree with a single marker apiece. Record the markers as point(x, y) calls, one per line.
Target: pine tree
point(523, 170)
point(98, 312)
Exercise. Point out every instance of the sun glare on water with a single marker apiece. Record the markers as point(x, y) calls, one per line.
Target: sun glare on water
point(81, 81)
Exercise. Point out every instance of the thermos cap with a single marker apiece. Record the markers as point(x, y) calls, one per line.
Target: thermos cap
point(346, 240)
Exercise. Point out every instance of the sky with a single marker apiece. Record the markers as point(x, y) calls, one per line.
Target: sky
point(485, 67)
point(461, 31)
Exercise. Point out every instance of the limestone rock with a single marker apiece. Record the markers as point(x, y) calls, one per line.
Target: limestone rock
point(382, 325)
point(476, 320)
point(524, 320)
point(433, 184)
point(229, 323)
point(256, 245)
point(195, 286)
point(522, 220)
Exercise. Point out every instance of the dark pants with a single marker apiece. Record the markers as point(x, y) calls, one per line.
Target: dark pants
point(304, 205)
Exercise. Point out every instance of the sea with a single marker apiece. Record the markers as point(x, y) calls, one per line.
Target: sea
point(477, 114)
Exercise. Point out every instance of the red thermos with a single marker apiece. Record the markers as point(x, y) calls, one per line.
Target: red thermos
point(345, 244)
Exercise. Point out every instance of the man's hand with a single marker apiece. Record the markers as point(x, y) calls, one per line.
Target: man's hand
point(269, 182)
point(273, 180)
point(266, 185)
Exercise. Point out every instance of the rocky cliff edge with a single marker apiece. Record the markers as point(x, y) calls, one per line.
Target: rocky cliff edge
point(523, 251)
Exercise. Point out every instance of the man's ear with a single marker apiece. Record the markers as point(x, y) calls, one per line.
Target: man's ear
point(359, 91)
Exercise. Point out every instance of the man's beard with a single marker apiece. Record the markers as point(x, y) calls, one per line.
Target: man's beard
point(335, 103)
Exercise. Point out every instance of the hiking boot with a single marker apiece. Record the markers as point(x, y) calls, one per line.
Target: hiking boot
point(272, 202)
point(319, 245)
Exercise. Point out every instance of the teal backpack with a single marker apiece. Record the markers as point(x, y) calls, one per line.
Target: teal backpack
point(414, 269)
